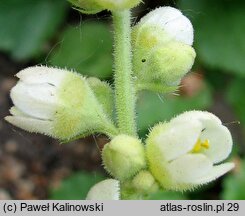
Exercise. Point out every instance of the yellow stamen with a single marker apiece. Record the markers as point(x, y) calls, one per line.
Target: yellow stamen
point(199, 145)
point(206, 144)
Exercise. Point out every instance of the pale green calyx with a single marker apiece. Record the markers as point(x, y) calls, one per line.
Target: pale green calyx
point(57, 103)
point(162, 47)
point(123, 157)
point(108, 189)
point(95, 6)
point(87, 6)
point(103, 93)
point(185, 152)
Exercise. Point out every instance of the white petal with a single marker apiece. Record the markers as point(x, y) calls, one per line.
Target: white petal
point(42, 74)
point(215, 173)
point(206, 118)
point(212, 129)
point(37, 100)
point(178, 139)
point(30, 124)
point(181, 29)
point(220, 142)
point(189, 167)
point(16, 112)
point(161, 15)
point(172, 21)
point(108, 189)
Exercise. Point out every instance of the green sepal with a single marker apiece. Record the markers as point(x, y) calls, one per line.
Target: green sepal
point(103, 93)
point(79, 113)
point(86, 7)
point(158, 58)
point(95, 6)
point(166, 63)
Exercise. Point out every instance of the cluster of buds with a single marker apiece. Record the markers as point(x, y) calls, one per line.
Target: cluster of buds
point(178, 155)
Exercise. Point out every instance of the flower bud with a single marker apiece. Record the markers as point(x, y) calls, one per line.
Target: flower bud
point(55, 102)
point(108, 189)
point(123, 157)
point(162, 47)
point(95, 6)
point(144, 182)
point(186, 152)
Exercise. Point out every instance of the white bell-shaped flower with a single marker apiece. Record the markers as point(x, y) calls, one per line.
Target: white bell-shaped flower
point(57, 103)
point(188, 150)
point(108, 189)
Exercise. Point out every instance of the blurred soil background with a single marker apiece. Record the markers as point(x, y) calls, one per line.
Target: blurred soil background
point(50, 32)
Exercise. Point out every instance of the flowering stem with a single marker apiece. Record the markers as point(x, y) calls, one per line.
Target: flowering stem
point(124, 89)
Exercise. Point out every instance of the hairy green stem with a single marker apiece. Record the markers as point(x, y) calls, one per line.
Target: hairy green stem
point(125, 98)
